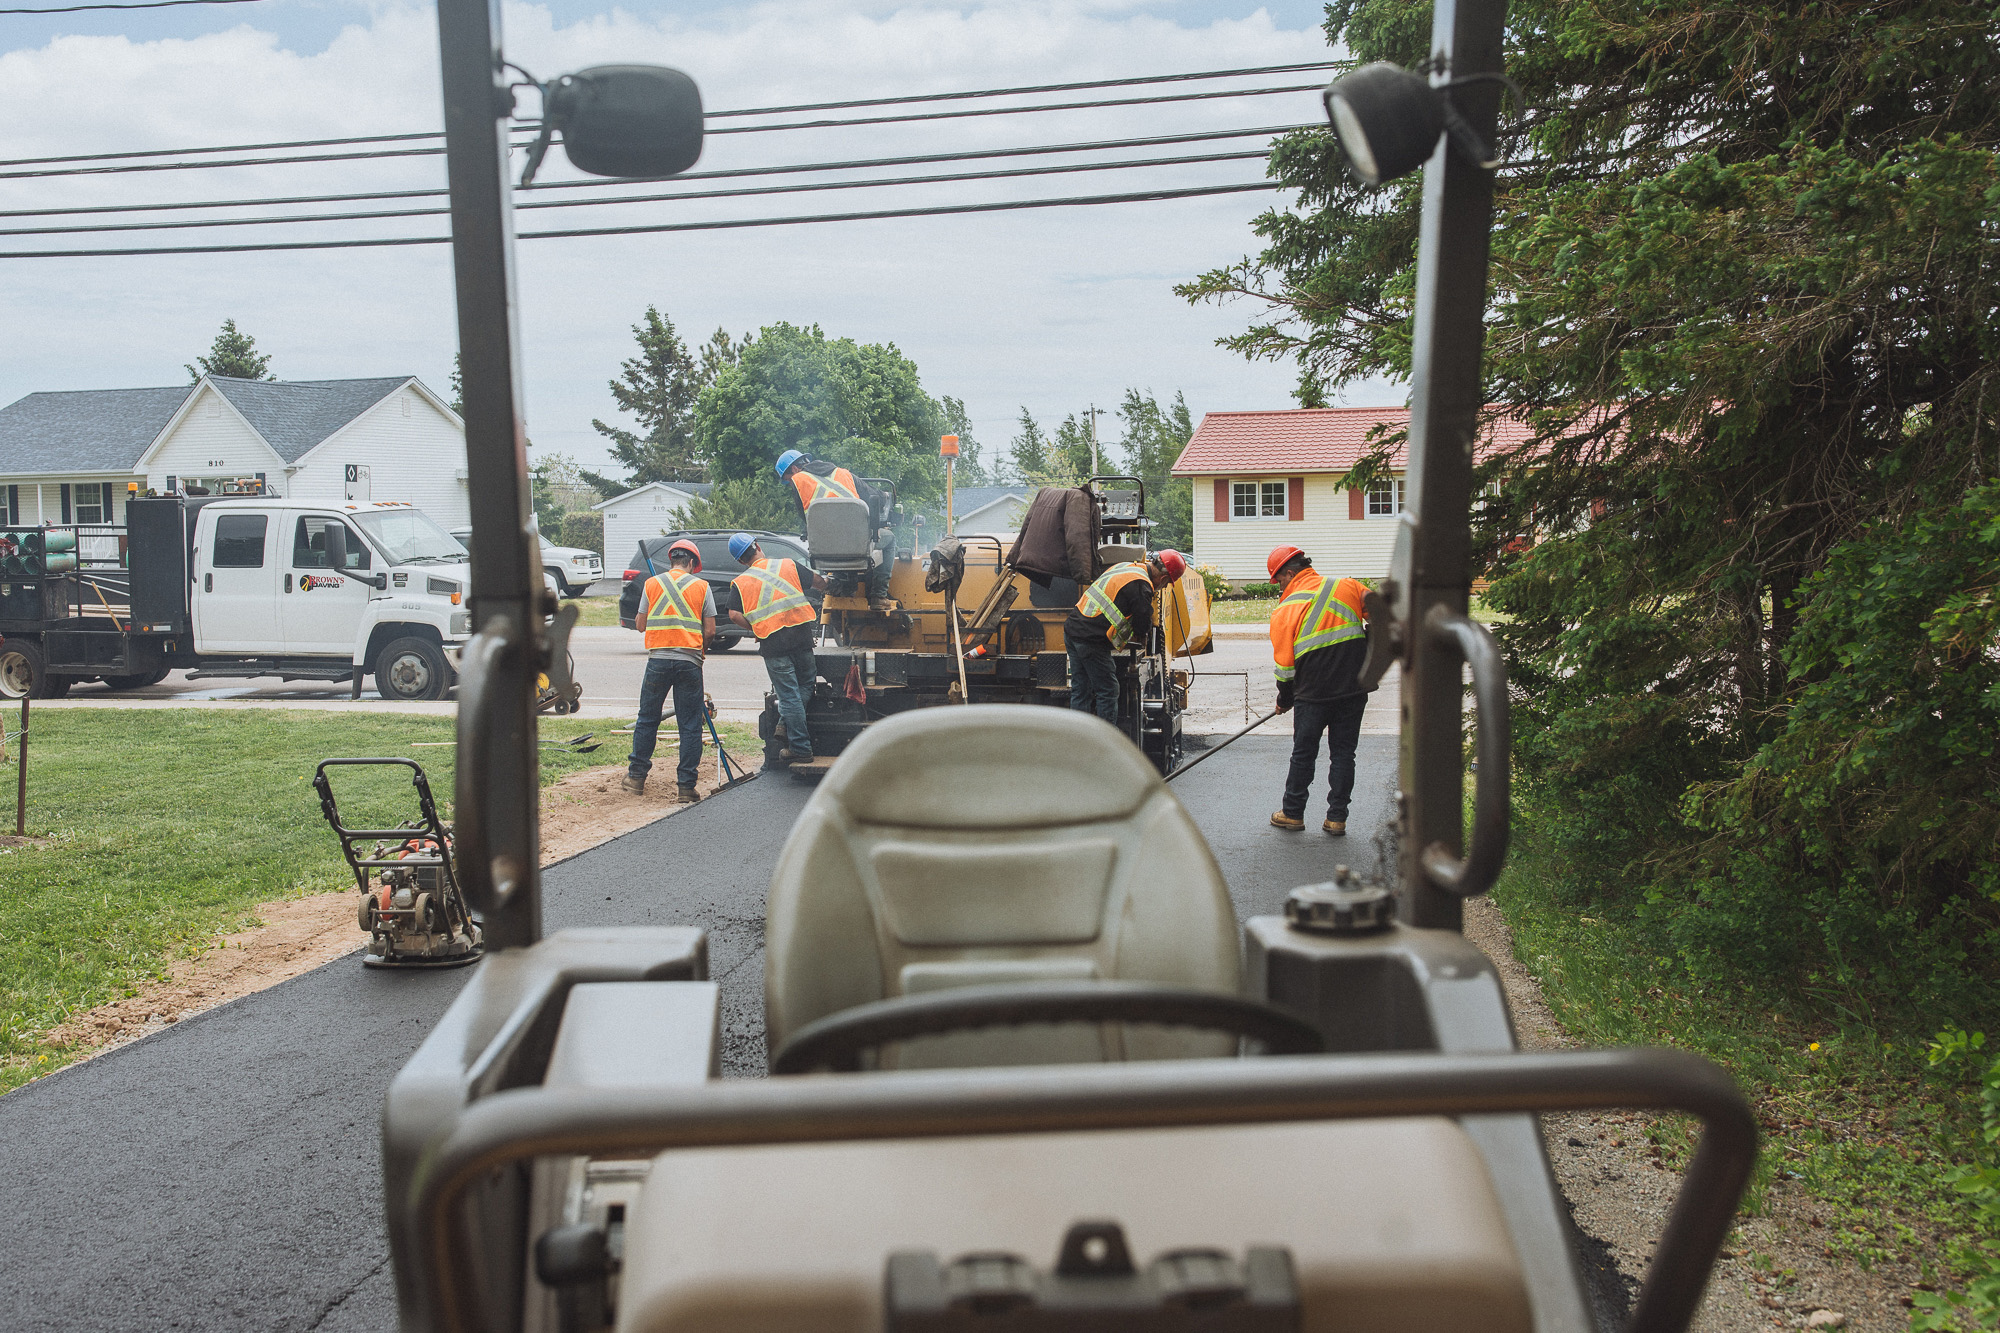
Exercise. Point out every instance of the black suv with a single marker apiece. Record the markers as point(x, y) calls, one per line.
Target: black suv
point(717, 566)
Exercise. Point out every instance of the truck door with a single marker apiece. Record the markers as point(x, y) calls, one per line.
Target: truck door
point(236, 584)
point(323, 610)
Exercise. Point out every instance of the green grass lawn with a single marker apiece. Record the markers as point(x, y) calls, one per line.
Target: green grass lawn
point(1243, 611)
point(166, 828)
point(596, 612)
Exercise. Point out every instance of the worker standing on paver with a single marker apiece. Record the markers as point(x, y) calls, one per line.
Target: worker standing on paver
point(1318, 638)
point(776, 610)
point(1113, 612)
point(677, 616)
point(813, 480)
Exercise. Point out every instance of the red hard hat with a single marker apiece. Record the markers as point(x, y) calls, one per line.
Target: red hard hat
point(685, 545)
point(1173, 562)
point(1280, 557)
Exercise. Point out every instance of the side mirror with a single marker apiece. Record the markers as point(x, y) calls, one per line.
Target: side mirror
point(336, 546)
point(626, 120)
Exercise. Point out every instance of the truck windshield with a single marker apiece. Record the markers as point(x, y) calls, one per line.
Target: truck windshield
point(407, 537)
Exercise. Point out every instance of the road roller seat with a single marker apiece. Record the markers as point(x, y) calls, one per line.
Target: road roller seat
point(839, 534)
point(995, 845)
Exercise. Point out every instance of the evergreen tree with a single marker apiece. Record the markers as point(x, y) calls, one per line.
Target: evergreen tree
point(658, 387)
point(1028, 456)
point(233, 355)
point(970, 469)
point(1153, 439)
point(1744, 291)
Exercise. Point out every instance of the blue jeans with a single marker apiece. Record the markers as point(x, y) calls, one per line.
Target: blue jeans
point(1093, 679)
point(792, 675)
point(1341, 721)
point(683, 678)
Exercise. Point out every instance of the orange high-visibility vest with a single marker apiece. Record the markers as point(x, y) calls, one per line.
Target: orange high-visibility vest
point(811, 486)
point(772, 597)
point(1315, 612)
point(1101, 599)
point(671, 618)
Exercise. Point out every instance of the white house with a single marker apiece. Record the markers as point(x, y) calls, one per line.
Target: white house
point(995, 510)
point(69, 457)
point(645, 511)
point(1267, 479)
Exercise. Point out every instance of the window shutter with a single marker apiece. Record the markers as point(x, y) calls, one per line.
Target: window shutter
point(1222, 499)
point(1295, 498)
point(65, 504)
point(1357, 504)
point(13, 504)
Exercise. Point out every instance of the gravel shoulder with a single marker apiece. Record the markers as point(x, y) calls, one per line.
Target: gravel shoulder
point(1777, 1272)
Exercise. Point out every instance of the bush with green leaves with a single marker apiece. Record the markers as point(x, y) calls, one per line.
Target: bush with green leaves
point(1960, 1053)
point(1262, 590)
point(1212, 580)
point(583, 529)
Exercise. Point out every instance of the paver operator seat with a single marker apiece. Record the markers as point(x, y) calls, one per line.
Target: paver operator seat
point(993, 845)
point(839, 534)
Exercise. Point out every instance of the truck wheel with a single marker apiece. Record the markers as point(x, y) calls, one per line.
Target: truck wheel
point(136, 682)
point(411, 670)
point(562, 584)
point(23, 674)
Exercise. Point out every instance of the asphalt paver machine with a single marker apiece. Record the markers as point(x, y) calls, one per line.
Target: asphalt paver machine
point(965, 625)
point(1027, 1072)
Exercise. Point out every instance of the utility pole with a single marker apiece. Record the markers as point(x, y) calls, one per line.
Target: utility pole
point(1095, 467)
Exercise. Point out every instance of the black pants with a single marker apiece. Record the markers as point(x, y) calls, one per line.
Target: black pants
point(1093, 678)
point(681, 679)
point(1341, 721)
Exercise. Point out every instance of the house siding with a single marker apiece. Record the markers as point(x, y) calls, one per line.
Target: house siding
point(1318, 524)
point(418, 457)
point(633, 515)
point(41, 497)
point(211, 441)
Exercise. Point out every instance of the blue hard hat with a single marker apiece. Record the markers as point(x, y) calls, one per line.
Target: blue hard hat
point(740, 544)
point(789, 457)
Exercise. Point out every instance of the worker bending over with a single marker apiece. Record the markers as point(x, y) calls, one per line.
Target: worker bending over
point(1318, 639)
point(677, 616)
point(813, 480)
point(775, 609)
point(1113, 612)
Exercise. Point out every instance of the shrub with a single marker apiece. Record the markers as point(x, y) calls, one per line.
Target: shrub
point(1211, 579)
point(1261, 590)
point(584, 530)
point(1978, 1306)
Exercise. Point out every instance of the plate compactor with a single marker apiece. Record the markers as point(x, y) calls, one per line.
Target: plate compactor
point(411, 905)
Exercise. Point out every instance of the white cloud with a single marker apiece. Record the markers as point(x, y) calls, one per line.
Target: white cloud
point(1051, 309)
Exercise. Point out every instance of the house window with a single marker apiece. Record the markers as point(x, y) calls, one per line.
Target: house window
point(1257, 499)
point(1385, 498)
point(93, 503)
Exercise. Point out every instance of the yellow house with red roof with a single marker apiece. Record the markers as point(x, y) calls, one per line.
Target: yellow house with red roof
point(1267, 479)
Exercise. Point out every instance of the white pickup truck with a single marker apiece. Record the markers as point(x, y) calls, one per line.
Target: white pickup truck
point(238, 588)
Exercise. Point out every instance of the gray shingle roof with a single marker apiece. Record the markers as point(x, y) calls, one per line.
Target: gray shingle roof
point(106, 430)
point(968, 499)
point(89, 430)
point(295, 415)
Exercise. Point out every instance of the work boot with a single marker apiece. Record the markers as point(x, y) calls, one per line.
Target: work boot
point(635, 783)
point(1289, 823)
point(686, 794)
point(1337, 827)
point(882, 604)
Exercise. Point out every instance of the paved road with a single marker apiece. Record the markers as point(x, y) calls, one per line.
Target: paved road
point(221, 1175)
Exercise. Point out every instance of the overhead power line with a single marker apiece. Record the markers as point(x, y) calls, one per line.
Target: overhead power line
point(727, 173)
point(1068, 168)
point(910, 99)
point(134, 167)
point(941, 210)
point(139, 4)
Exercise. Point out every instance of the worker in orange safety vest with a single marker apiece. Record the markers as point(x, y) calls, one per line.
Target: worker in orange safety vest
point(1113, 613)
point(777, 611)
point(1318, 638)
point(677, 616)
point(813, 480)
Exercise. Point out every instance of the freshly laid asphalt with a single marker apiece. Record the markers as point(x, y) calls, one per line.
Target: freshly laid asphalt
point(223, 1174)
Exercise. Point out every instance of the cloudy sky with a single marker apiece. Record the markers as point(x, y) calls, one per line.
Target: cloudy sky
point(1050, 309)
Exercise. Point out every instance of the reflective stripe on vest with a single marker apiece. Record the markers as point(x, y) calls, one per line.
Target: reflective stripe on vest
point(811, 486)
point(1327, 620)
point(671, 620)
point(771, 600)
point(1101, 599)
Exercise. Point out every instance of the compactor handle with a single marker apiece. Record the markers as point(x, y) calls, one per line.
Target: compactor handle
point(1475, 874)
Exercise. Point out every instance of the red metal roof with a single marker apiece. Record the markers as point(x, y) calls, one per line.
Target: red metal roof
point(1305, 439)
